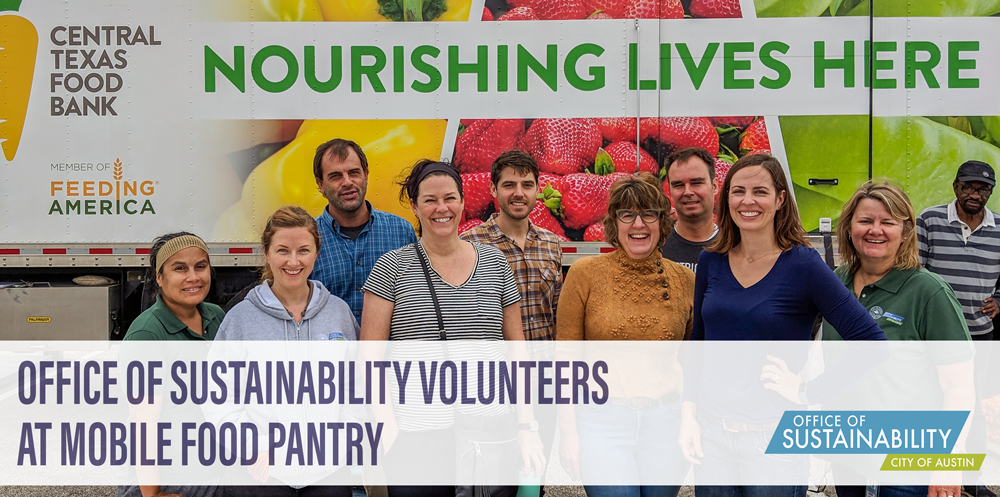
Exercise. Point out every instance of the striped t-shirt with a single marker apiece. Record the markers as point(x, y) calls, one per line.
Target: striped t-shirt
point(471, 311)
point(971, 266)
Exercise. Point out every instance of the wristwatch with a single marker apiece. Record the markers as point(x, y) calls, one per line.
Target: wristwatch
point(532, 426)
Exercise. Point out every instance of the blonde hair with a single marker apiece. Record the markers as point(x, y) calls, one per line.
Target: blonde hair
point(639, 192)
point(289, 216)
point(898, 204)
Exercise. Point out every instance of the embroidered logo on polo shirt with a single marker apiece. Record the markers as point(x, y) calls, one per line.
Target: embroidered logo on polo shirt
point(336, 336)
point(875, 312)
point(892, 318)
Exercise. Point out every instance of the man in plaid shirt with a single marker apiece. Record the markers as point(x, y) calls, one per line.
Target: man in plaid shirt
point(353, 234)
point(533, 253)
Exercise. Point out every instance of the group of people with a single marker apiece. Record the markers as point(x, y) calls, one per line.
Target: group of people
point(359, 273)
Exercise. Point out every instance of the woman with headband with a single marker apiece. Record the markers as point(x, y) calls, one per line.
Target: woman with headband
point(439, 289)
point(181, 275)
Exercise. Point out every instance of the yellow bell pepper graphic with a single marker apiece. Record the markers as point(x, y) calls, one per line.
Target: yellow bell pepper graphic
point(18, 44)
point(285, 10)
point(286, 178)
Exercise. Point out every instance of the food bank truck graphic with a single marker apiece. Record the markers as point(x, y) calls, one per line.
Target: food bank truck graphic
point(122, 121)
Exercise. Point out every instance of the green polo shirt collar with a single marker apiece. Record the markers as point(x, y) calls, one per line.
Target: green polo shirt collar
point(173, 325)
point(891, 282)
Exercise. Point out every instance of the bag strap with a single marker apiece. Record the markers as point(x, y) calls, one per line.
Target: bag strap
point(828, 249)
point(442, 334)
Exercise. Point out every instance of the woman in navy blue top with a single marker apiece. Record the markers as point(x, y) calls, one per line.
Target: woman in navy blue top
point(758, 281)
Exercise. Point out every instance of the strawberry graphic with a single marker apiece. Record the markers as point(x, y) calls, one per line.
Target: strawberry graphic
point(739, 122)
point(716, 8)
point(542, 217)
point(615, 9)
point(654, 9)
point(468, 225)
point(682, 132)
point(649, 127)
point(765, 151)
point(594, 233)
point(616, 129)
point(546, 179)
point(478, 198)
point(721, 170)
point(487, 16)
point(585, 195)
point(519, 14)
point(484, 140)
point(623, 156)
point(562, 146)
point(755, 137)
point(554, 9)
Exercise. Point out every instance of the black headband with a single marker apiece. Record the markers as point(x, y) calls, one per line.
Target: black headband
point(434, 167)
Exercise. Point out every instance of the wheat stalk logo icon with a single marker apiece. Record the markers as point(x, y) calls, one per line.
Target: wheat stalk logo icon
point(118, 169)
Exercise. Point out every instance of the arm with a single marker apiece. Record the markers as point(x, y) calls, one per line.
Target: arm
point(922, 246)
point(959, 395)
point(149, 414)
point(376, 320)
point(528, 442)
point(570, 322)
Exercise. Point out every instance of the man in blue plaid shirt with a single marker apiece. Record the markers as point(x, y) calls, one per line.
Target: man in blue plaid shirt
point(353, 234)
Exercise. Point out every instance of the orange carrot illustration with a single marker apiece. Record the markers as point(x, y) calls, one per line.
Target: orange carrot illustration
point(18, 44)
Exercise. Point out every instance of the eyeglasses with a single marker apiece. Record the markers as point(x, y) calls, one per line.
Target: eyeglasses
point(969, 190)
point(628, 216)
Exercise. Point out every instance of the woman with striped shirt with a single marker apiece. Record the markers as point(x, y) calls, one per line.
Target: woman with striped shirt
point(474, 294)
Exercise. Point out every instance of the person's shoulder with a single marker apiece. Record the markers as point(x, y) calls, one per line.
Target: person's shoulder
point(213, 311)
point(935, 211)
point(489, 253)
point(679, 271)
point(392, 219)
point(928, 279)
point(478, 234)
point(146, 327)
point(546, 236)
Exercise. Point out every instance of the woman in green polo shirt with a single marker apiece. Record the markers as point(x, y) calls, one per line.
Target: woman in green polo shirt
point(181, 275)
point(878, 244)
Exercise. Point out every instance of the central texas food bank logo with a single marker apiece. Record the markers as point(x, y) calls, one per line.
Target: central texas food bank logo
point(120, 196)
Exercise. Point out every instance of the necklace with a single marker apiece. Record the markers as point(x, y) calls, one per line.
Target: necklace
point(751, 260)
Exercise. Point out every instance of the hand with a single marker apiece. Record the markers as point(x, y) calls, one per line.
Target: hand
point(991, 308)
point(782, 380)
point(569, 453)
point(944, 491)
point(945, 484)
point(261, 470)
point(532, 452)
point(690, 434)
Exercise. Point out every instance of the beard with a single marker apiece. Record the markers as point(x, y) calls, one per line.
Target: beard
point(972, 211)
point(344, 206)
point(505, 207)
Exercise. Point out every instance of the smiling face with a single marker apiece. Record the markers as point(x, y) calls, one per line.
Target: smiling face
point(692, 190)
point(753, 200)
point(971, 203)
point(516, 193)
point(291, 257)
point(185, 278)
point(639, 239)
point(438, 206)
point(875, 234)
point(344, 183)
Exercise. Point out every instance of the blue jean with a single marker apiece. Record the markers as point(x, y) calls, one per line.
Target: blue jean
point(846, 473)
point(737, 458)
point(621, 444)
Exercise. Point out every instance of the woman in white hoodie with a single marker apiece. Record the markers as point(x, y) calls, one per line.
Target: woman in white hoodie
point(287, 306)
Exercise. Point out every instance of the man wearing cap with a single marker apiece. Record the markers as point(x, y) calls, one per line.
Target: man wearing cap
point(960, 241)
point(353, 234)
